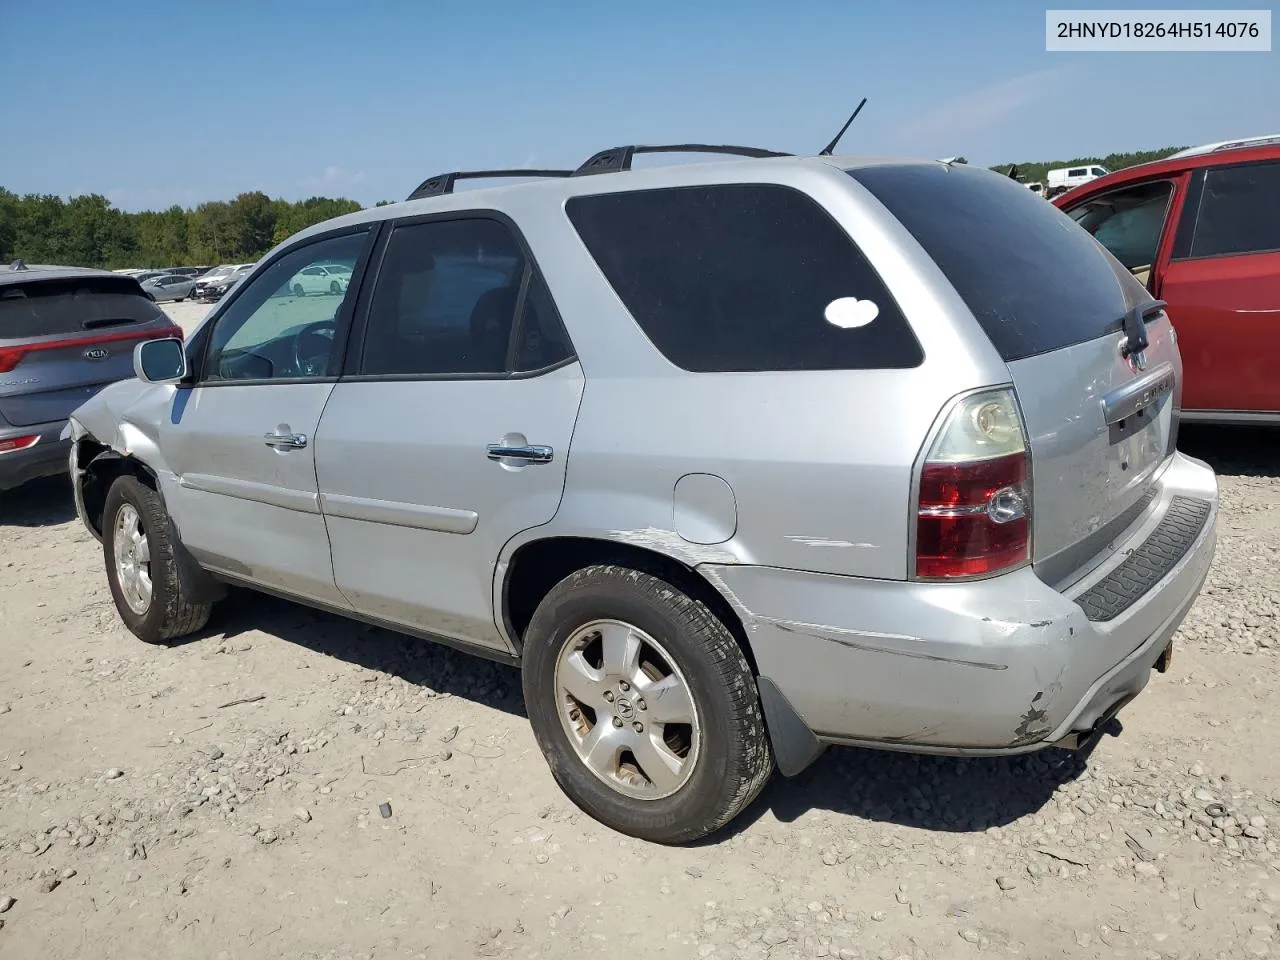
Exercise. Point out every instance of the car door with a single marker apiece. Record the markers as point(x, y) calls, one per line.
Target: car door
point(1223, 289)
point(240, 439)
point(449, 431)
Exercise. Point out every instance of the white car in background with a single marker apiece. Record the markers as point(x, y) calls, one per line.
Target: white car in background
point(321, 278)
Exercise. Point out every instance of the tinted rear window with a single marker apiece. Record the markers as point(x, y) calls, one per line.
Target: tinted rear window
point(740, 277)
point(41, 308)
point(1035, 280)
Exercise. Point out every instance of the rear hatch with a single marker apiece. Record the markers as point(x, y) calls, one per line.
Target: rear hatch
point(63, 339)
point(1101, 418)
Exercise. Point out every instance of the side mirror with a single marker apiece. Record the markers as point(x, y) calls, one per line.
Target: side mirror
point(160, 361)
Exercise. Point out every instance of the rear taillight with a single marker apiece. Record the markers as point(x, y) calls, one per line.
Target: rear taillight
point(10, 357)
point(974, 510)
point(11, 444)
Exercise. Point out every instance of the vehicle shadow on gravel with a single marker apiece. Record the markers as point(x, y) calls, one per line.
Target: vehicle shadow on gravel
point(40, 503)
point(1234, 451)
point(419, 662)
point(943, 794)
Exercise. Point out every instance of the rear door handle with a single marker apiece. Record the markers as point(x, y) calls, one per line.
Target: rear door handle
point(532, 453)
point(292, 441)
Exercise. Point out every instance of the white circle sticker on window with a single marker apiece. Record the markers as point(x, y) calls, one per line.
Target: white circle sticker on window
point(850, 312)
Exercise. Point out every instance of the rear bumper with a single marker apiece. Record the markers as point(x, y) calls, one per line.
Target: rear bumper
point(999, 666)
point(48, 457)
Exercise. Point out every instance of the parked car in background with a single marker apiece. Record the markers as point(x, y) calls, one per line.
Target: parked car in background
point(1201, 230)
point(215, 283)
point(740, 459)
point(1065, 178)
point(64, 334)
point(142, 276)
point(192, 272)
point(168, 286)
point(329, 278)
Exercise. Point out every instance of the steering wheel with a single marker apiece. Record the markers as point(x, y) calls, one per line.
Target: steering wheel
point(311, 360)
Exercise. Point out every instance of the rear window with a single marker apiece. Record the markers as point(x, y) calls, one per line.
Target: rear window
point(1034, 280)
point(40, 308)
point(744, 277)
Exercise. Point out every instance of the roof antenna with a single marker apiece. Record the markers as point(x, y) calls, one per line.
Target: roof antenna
point(826, 151)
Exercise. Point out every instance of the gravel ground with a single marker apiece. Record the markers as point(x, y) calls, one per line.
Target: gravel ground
point(221, 797)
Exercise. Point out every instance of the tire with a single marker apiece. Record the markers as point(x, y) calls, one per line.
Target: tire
point(725, 744)
point(165, 614)
point(334, 287)
point(298, 291)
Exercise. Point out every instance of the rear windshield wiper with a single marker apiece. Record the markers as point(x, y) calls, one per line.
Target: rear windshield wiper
point(1134, 326)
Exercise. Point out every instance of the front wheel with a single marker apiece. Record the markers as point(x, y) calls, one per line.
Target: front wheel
point(644, 705)
point(138, 548)
point(297, 290)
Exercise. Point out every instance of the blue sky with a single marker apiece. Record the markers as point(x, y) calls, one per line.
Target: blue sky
point(157, 103)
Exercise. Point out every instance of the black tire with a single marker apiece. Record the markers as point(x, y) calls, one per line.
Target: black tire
point(178, 299)
point(169, 614)
point(735, 760)
point(334, 287)
point(298, 291)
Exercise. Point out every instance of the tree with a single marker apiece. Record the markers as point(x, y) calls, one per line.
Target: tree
point(251, 224)
point(88, 231)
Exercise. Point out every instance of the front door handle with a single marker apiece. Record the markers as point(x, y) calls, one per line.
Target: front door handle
point(292, 441)
point(532, 453)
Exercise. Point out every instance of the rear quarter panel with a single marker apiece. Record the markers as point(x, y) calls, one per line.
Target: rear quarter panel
point(819, 463)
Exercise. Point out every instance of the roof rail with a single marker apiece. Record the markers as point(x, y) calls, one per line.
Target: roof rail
point(619, 158)
point(443, 182)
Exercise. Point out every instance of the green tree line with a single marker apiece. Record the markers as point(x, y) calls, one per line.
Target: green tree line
point(87, 231)
point(1038, 170)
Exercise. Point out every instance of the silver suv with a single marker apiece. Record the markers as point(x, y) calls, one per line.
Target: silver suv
point(735, 459)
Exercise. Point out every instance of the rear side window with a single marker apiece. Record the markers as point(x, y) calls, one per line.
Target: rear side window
point(1239, 211)
point(41, 308)
point(744, 277)
point(1034, 280)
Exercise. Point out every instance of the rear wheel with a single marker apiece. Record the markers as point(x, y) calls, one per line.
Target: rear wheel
point(334, 287)
point(643, 705)
point(137, 546)
point(297, 290)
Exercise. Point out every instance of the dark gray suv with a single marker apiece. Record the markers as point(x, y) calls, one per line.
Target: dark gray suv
point(65, 333)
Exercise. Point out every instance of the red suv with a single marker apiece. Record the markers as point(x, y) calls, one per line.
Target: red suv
point(1202, 230)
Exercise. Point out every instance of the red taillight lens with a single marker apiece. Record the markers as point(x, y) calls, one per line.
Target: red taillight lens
point(974, 517)
point(10, 357)
point(10, 444)
point(974, 512)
